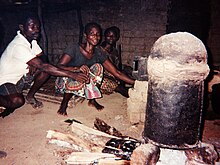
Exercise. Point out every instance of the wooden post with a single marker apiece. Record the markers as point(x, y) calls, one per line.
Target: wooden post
point(43, 33)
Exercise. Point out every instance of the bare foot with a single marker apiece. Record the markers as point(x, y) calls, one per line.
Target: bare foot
point(93, 103)
point(6, 112)
point(62, 111)
point(34, 102)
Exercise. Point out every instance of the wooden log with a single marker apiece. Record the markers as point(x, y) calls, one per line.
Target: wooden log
point(95, 158)
point(113, 161)
point(87, 139)
point(104, 127)
point(77, 127)
point(66, 140)
point(87, 157)
point(96, 138)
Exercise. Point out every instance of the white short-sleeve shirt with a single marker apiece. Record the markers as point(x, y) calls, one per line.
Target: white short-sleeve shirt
point(13, 62)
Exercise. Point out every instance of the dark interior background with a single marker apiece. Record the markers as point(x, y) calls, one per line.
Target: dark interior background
point(141, 23)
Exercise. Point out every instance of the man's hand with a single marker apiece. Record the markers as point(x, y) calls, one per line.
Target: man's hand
point(32, 70)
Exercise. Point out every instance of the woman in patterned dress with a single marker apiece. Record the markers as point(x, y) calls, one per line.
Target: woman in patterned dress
point(86, 58)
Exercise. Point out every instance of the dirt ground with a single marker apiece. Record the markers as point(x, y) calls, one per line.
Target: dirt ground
point(23, 133)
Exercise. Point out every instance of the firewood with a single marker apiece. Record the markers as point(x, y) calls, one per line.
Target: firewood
point(95, 139)
point(87, 157)
point(104, 127)
point(77, 127)
point(85, 138)
point(95, 158)
point(112, 161)
point(66, 140)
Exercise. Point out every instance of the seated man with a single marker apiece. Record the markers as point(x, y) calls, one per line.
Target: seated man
point(20, 64)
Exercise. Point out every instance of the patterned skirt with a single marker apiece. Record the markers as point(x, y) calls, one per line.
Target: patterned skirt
point(109, 83)
point(89, 91)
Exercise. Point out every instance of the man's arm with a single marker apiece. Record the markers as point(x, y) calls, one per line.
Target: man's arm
point(55, 71)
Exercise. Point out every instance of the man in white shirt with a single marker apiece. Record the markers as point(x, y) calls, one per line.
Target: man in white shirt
point(20, 65)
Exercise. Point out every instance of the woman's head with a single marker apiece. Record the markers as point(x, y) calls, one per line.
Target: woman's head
point(92, 33)
point(113, 29)
point(112, 35)
point(91, 25)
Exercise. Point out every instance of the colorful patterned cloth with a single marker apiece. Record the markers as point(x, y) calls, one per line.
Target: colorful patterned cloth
point(89, 91)
point(109, 83)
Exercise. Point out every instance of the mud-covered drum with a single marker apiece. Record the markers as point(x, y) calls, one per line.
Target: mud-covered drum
point(177, 67)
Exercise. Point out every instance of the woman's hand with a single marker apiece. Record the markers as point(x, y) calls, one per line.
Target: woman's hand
point(118, 74)
point(84, 69)
point(78, 76)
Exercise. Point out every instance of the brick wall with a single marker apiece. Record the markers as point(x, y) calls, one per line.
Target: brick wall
point(141, 23)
